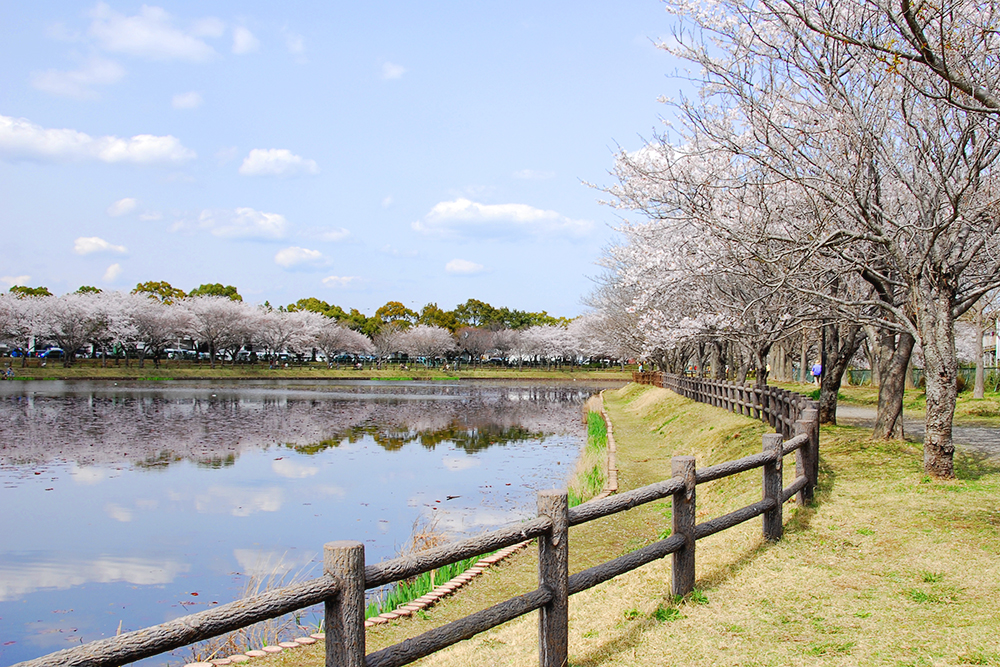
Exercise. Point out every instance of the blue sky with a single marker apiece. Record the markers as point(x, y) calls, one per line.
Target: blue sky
point(355, 152)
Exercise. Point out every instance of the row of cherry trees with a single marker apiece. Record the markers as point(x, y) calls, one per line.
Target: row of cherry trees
point(143, 327)
point(836, 170)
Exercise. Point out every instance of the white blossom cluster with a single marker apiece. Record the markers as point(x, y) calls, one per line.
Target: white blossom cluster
point(144, 327)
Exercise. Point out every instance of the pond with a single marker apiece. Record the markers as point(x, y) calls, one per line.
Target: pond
point(129, 504)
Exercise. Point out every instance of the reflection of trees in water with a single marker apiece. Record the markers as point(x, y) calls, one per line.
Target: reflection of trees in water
point(153, 429)
point(461, 435)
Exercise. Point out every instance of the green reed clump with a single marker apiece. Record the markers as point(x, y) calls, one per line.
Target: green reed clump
point(590, 475)
point(406, 591)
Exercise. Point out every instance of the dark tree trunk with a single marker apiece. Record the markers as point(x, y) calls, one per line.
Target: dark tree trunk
point(894, 359)
point(838, 355)
point(937, 333)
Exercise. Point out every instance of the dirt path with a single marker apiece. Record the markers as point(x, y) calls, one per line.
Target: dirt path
point(981, 439)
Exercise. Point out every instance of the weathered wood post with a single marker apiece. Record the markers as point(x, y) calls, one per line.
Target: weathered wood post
point(344, 622)
point(682, 572)
point(772, 486)
point(807, 456)
point(553, 574)
point(772, 408)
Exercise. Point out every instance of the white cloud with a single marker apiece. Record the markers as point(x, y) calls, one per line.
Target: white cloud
point(122, 206)
point(151, 34)
point(244, 41)
point(463, 266)
point(387, 202)
point(239, 501)
point(150, 215)
point(296, 45)
point(455, 463)
point(10, 281)
point(340, 281)
point(97, 71)
point(18, 579)
point(189, 100)
point(118, 513)
point(534, 175)
point(392, 71)
point(295, 256)
point(330, 235)
point(396, 252)
point(208, 27)
point(276, 162)
point(292, 470)
point(86, 245)
point(243, 223)
point(22, 139)
point(112, 273)
point(465, 218)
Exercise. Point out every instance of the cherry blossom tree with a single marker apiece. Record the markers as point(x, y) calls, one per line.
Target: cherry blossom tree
point(22, 317)
point(215, 321)
point(427, 341)
point(72, 320)
point(157, 324)
point(898, 188)
point(332, 339)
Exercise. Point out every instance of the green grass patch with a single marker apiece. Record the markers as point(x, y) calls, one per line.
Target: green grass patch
point(591, 469)
point(406, 591)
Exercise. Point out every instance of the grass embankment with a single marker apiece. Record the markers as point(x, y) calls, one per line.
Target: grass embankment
point(90, 369)
point(889, 568)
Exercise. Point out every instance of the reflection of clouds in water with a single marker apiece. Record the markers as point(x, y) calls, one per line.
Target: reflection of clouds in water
point(239, 501)
point(147, 504)
point(118, 513)
point(89, 475)
point(18, 579)
point(291, 470)
point(259, 563)
point(455, 463)
point(473, 520)
point(330, 490)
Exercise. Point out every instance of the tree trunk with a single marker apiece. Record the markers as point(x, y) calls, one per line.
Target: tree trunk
point(894, 360)
point(804, 358)
point(980, 388)
point(937, 333)
point(761, 359)
point(838, 355)
point(874, 354)
point(716, 362)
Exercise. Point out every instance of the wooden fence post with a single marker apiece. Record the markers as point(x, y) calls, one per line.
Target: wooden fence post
point(682, 572)
point(553, 574)
point(344, 623)
point(807, 456)
point(772, 486)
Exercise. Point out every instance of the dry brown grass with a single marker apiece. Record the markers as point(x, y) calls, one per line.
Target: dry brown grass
point(889, 568)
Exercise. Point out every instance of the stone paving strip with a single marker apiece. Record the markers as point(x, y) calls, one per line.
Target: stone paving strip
point(404, 610)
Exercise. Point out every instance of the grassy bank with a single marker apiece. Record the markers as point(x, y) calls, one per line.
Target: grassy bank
point(185, 370)
point(888, 568)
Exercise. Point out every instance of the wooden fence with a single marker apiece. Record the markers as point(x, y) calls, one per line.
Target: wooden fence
point(345, 578)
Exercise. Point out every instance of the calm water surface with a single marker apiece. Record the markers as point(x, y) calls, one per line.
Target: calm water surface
point(131, 504)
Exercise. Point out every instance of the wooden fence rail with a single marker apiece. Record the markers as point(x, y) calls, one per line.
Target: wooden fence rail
point(345, 578)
